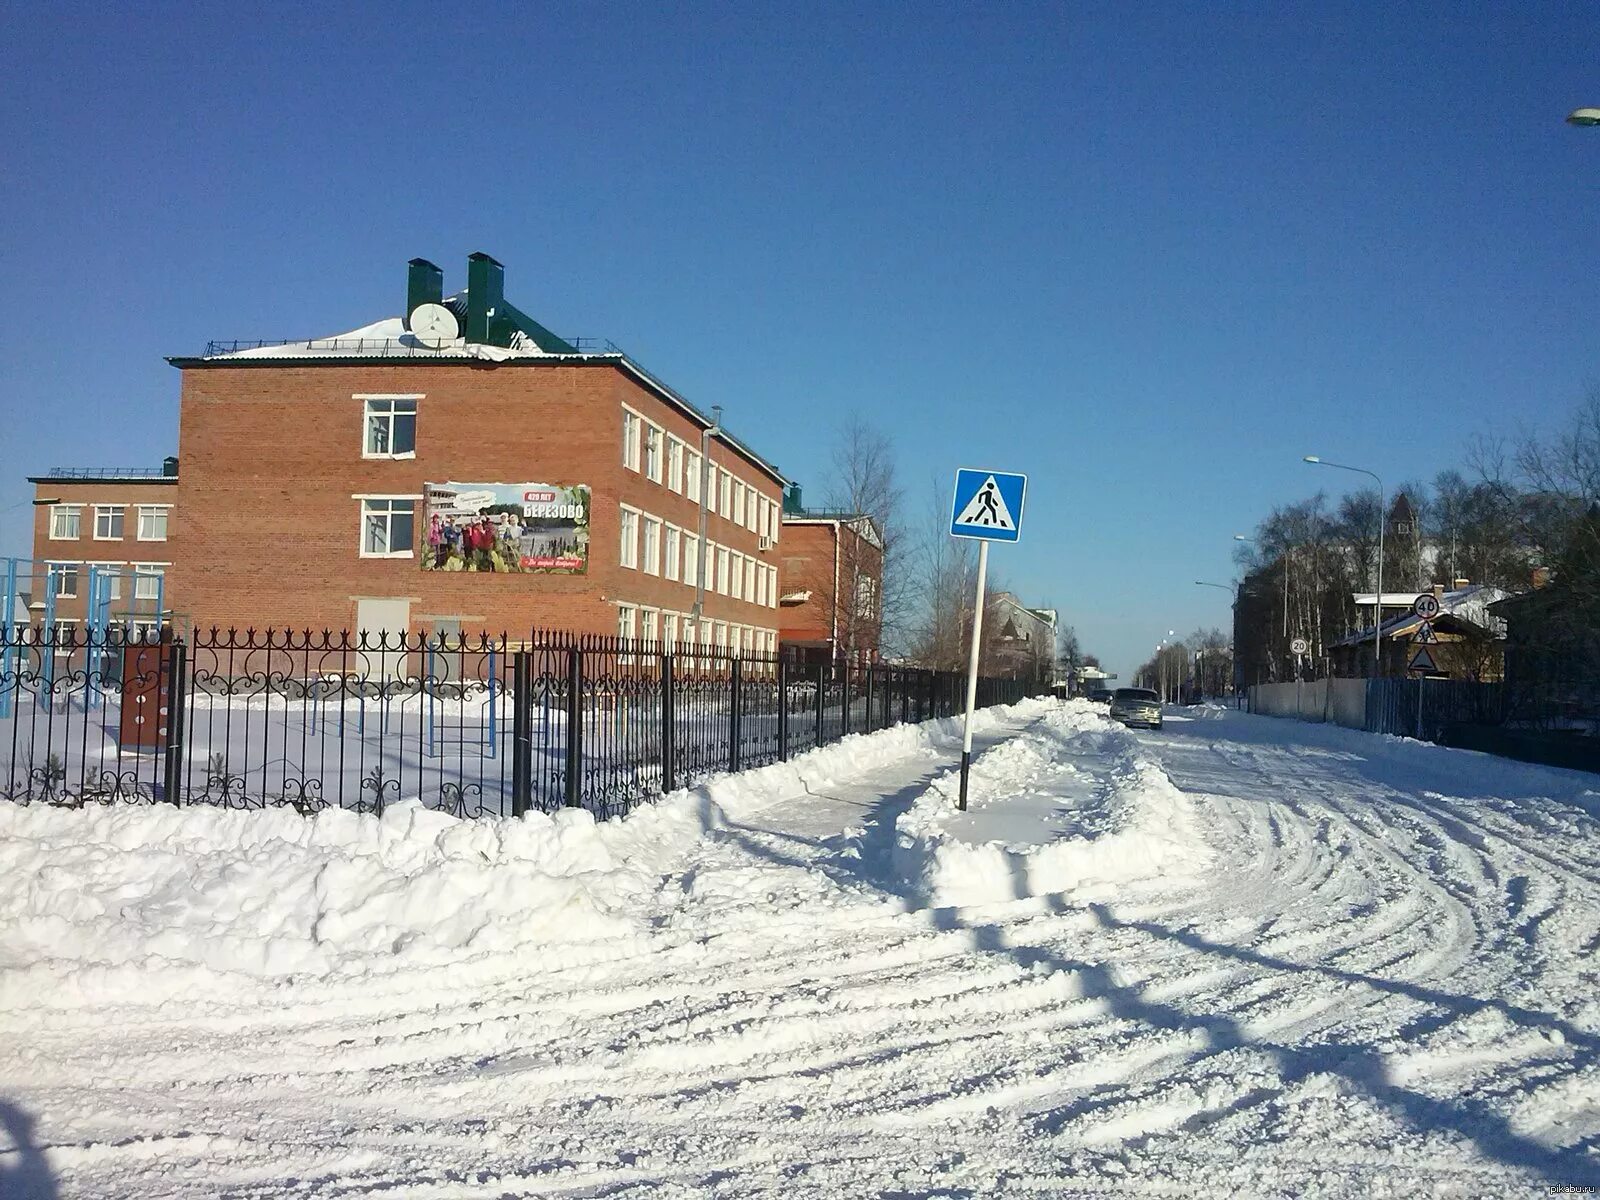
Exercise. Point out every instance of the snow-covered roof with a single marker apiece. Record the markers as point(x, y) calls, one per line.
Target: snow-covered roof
point(1469, 604)
point(385, 339)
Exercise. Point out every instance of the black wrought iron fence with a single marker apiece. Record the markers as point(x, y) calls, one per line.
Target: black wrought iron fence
point(472, 726)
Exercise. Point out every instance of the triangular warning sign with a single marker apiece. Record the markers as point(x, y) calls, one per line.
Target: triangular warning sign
point(987, 509)
point(1423, 661)
point(1424, 635)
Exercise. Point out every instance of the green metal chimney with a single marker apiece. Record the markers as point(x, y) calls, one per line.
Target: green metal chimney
point(424, 284)
point(486, 287)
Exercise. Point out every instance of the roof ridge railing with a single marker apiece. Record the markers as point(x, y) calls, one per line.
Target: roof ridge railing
point(398, 345)
point(106, 473)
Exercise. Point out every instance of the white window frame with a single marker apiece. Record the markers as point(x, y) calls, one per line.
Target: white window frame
point(671, 551)
point(669, 631)
point(631, 422)
point(379, 407)
point(650, 626)
point(111, 569)
point(59, 511)
point(152, 511)
point(691, 558)
point(626, 618)
point(59, 571)
point(110, 511)
point(693, 468)
point(650, 527)
point(725, 491)
point(628, 529)
point(738, 501)
point(368, 510)
point(752, 512)
point(723, 554)
point(655, 454)
point(675, 449)
point(735, 575)
point(67, 636)
point(750, 580)
point(144, 571)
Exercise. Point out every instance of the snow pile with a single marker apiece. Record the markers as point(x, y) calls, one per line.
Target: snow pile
point(100, 899)
point(1073, 804)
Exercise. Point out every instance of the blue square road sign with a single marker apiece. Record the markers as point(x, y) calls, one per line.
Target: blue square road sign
point(988, 505)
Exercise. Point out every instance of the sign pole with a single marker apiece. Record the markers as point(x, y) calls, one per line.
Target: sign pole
point(972, 672)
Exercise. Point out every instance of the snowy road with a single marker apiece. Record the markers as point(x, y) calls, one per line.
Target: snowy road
point(1354, 967)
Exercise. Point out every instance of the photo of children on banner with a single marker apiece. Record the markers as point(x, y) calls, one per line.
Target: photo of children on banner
point(518, 528)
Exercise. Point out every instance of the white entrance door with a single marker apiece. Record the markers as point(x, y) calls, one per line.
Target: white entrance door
point(381, 624)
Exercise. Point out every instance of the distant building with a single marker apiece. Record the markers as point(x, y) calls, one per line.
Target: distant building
point(111, 523)
point(832, 585)
point(1022, 641)
point(1470, 636)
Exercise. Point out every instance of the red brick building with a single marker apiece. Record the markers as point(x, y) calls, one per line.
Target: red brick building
point(116, 519)
point(832, 574)
point(462, 469)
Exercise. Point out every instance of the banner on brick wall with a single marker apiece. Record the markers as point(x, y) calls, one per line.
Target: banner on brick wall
point(520, 528)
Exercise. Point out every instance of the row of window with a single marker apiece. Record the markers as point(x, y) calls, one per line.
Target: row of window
point(663, 458)
point(146, 578)
point(658, 547)
point(678, 629)
point(110, 522)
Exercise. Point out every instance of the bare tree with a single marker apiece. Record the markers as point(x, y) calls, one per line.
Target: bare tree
point(864, 482)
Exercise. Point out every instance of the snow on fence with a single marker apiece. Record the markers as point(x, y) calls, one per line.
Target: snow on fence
point(472, 726)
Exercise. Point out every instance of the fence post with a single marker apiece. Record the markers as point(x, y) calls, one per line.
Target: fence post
point(822, 683)
point(669, 749)
point(177, 699)
point(574, 796)
point(733, 717)
point(844, 720)
point(870, 725)
point(905, 694)
point(783, 710)
point(521, 734)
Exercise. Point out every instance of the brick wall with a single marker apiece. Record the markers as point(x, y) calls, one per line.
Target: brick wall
point(86, 548)
point(270, 535)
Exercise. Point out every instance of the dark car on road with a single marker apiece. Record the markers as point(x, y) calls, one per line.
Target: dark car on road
point(1099, 695)
point(1136, 706)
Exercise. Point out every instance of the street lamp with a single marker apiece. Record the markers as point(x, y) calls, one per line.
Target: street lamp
point(1584, 116)
point(1377, 615)
point(1232, 588)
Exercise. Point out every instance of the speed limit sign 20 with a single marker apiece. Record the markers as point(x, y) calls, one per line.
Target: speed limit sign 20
point(1299, 645)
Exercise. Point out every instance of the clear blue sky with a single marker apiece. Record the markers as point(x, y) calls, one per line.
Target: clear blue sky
point(1149, 254)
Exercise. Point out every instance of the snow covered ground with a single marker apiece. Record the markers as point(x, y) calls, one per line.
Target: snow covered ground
point(1237, 957)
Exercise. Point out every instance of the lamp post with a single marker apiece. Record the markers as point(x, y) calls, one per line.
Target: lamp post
point(1233, 590)
point(1377, 615)
point(1584, 116)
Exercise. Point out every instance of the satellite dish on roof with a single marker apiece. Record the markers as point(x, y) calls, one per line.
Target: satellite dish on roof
point(434, 325)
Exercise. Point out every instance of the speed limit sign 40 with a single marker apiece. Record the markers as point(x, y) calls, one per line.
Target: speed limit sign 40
point(1299, 645)
point(1426, 606)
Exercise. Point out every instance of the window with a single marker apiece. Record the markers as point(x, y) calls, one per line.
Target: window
point(691, 478)
point(649, 624)
point(625, 615)
point(750, 580)
point(153, 522)
point(722, 570)
point(736, 575)
point(764, 524)
point(108, 522)
point(691, 558)
point(64, 577)
point(675, 465)
point(630, 440)
point(147, 581)
point(107, 580)
point(747, 638)
point(67, 639)
point(630, 538)
point(722, 636)
point(391, 427)
point(725, 486)
point(738, 502)
point(772, 587)
point(387, 528)
point(652, 546)
point(652, 452)
point(671, 548)
point(669, 630)
point(66, 522)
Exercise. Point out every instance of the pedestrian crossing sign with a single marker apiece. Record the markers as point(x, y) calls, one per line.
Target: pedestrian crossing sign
point(988, 505)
